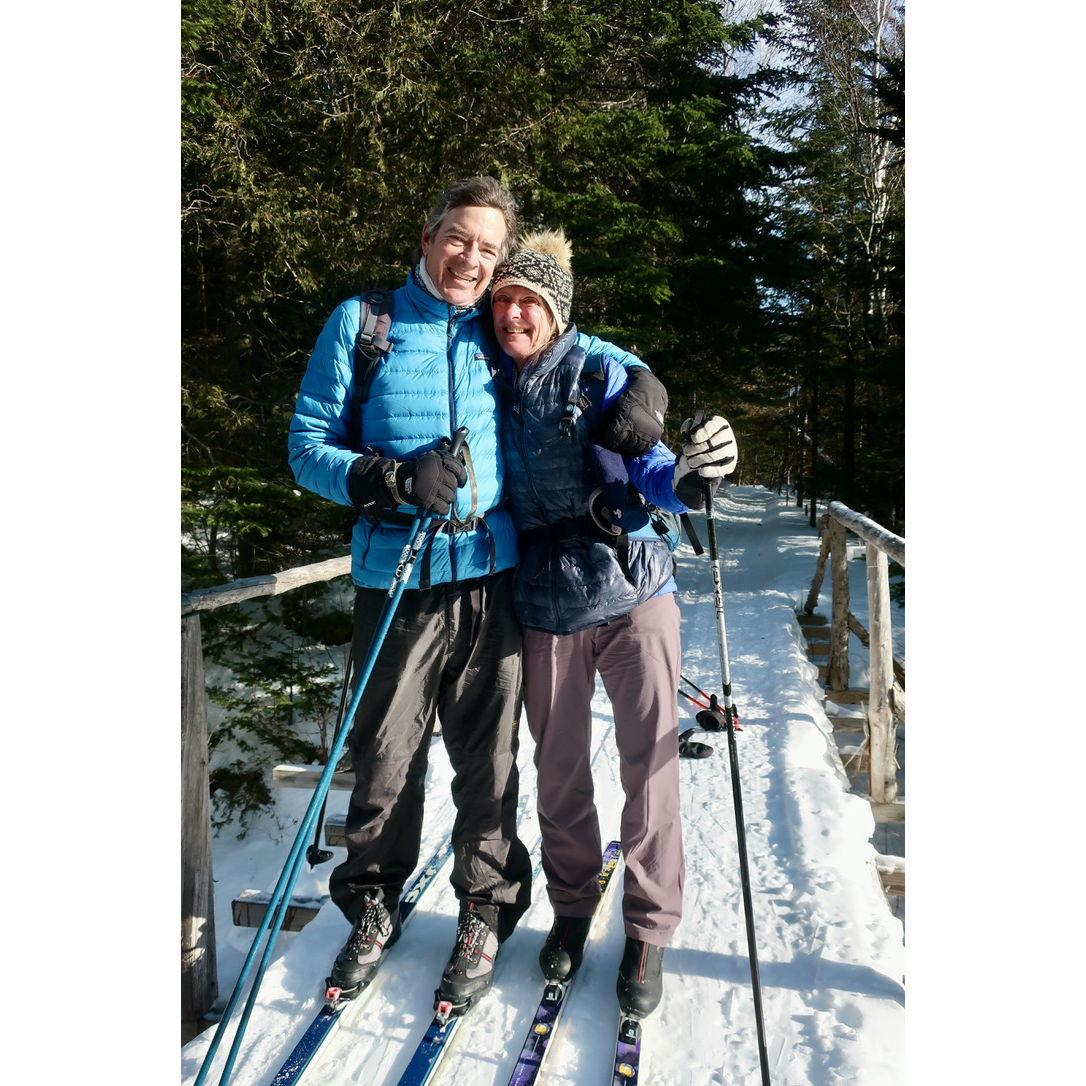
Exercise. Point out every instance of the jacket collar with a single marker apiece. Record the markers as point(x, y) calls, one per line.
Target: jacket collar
point(546, 360)
point(432, 308)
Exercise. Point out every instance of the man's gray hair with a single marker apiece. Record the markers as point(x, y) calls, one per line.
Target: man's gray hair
point(480, 191)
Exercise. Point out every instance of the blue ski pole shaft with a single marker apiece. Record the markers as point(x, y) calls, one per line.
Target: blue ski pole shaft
point(280, 897)
point(737, 794)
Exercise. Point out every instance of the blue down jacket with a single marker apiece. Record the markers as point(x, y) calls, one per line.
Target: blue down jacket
point(436, 377)
point(569, 579)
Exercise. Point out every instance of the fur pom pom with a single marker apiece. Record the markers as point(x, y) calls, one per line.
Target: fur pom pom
point(552, 243)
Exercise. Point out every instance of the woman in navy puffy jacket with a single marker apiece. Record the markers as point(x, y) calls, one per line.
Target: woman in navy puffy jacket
point(594, 591)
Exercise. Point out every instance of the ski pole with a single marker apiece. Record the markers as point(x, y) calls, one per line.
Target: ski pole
point(692, 684)
point(280, 898)
point(690, 697)
point(315, 854)
point(737, 796)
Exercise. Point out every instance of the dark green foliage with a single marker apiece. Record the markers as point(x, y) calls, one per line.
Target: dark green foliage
point(238, 791)
point(282, 679)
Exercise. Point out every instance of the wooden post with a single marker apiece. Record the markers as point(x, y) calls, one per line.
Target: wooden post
point(199, 985)
point(837, 673)
point(883, 763)
point(820, 569)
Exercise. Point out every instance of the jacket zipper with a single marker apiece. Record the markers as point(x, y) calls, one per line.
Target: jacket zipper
point(452, 431)
point(518, 414)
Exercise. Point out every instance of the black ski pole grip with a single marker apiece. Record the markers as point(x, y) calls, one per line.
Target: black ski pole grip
point(459, 440)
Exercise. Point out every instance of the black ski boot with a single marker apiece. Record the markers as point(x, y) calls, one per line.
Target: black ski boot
point(561, 955)
point(470, 970)
point(357, 963)
point(640, 978)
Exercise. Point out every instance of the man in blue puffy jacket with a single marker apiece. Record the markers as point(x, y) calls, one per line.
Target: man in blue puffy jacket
point(453, 650)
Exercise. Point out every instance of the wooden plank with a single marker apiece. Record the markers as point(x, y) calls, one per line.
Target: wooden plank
point(893, 882)
point(879, 714)
point(307, 776)
point(335, 831)
point(817, 634)
point(249, 907)
point(873, 534)
point(838, 666)
point(272, 584)
point(847, 697)
point(820, 649)
point(857, 725)
point(823, 673)
point(812, 620)
point(199, 983)
point(888, 812)
point(850, 724)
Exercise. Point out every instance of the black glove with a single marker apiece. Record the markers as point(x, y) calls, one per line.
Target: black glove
point(366, 485)
point(636, 422)
point(688, 748)
point(430, 481)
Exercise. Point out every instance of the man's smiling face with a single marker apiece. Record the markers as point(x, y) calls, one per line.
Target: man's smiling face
point(463, 252)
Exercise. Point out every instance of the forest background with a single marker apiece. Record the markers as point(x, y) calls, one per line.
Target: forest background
point(731, 176)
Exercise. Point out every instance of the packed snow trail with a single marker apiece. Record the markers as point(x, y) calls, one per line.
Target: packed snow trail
point(831, 953)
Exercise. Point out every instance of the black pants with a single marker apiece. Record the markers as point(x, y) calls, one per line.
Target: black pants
point(452, 653)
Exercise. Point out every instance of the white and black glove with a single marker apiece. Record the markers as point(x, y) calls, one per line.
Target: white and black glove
point(709, 453)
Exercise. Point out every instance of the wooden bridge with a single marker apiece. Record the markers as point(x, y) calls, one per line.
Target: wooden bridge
point(875, 764)
point(867, 726)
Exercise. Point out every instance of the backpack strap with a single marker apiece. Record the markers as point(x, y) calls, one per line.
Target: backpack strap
point(371, 346)
point(578, 402)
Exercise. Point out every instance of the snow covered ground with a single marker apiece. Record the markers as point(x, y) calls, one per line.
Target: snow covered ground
point(831, 953)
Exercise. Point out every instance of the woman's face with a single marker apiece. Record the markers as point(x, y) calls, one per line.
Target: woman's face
point(522, 321)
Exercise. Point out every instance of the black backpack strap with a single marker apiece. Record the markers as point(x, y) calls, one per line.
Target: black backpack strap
point(371, 345)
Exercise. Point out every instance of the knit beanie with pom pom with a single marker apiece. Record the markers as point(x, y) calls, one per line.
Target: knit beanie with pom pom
point(541, 262)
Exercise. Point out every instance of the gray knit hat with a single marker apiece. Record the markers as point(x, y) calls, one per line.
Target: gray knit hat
point(541, 262)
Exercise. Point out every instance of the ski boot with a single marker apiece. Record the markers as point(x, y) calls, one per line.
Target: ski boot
point(640, 978)
point(470, 971)
point(357, 963)
point(561, 955)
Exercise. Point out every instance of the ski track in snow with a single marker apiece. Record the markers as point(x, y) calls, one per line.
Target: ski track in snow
point(831, 953)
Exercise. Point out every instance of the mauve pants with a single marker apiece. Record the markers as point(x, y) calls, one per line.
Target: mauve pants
point(638, 657)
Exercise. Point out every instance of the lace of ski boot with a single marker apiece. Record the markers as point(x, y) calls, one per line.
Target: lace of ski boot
point(373, 921)
point(471, 935)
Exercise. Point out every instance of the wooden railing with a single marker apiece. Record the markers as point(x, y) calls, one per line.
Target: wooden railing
point(886, 699)
point(199, 985)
